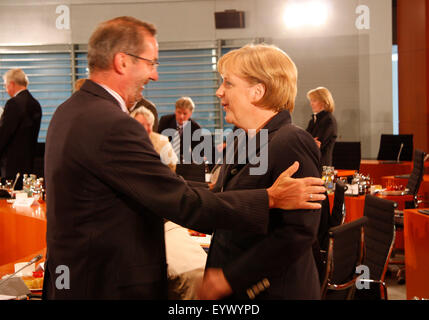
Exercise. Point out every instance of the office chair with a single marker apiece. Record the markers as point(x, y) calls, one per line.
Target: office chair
point(328, 220)
point(416, 176)
point(379, 236)
point(39, 158)
point(345, 253)
point(346, 155)
point(338, 213)
point(395, 147)
point(412, 188)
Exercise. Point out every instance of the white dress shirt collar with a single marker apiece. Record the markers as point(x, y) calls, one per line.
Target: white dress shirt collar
point(117, 97)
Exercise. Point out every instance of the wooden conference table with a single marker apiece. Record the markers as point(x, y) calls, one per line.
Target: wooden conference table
point(422, 194)
point(22, 234)
point(377, 169)
point(416, 234)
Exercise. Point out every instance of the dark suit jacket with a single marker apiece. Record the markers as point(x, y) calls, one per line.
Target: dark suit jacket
point(19, 129)
point(107, 195)
point(284, 256)
point(325, 129)
point(169, 122)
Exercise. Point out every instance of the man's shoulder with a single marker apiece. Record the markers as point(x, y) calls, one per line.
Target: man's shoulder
point(166, 122)
point(195, 124)
point(168, 117)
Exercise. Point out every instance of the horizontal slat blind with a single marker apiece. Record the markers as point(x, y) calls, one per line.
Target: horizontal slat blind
point(52, 71)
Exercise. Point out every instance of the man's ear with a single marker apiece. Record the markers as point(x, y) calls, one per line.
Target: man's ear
point(258, 91)
point(120, 62)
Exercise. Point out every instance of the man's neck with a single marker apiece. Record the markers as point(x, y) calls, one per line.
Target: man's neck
point(105, 80)
point(18, 90)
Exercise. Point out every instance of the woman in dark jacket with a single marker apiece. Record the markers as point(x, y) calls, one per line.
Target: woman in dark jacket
point(258, 94)
point(323, 126)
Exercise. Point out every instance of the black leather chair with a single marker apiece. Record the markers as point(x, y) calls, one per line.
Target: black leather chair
point(328, 220)
point(338, 213)
point(416, 176)
point(346, 155)
point(412, 188)
point(379, 235)
point(39, 160)
point(345, 253)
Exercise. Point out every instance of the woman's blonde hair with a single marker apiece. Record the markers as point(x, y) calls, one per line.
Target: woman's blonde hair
point(268, 65)
point(323, 95)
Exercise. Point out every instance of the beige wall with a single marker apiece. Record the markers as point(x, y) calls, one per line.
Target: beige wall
point(355, 65)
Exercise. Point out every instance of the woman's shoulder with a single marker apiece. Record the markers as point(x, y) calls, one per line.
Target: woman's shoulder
point(290, 133)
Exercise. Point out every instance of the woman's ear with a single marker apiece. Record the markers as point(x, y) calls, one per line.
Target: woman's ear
point(258, 91)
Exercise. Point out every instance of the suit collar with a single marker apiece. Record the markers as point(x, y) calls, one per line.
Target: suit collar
point(276, 122)
point(321, 114)
point(95, 89)
point(279, 120)
point(19, 92)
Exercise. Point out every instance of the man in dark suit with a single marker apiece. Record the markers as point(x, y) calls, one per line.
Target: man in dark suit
point(19, 127)
point(185, 126)
point(108, 192)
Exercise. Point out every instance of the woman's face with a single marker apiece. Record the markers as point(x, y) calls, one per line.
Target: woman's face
point(316, 105)
point(236, 95)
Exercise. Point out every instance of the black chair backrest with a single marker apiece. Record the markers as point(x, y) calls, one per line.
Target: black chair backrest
point(338, 210)
point(379, 234)
point(39, 160)
point(390, 145)
point(345, 253)
point(417, 174)
point(346, 155)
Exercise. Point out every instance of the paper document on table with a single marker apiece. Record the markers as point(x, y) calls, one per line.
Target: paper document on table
point(26, 202)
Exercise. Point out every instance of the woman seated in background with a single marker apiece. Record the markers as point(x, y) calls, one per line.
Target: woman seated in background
point(185, 257)
point(323, 126)
point(258, 93)
point(160, 143)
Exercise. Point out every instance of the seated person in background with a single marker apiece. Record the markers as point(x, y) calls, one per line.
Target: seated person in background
point(160, 142)
point(152, 108)
point(185, 257)
point(186, 261)
point(323, 126)
point(179, 121)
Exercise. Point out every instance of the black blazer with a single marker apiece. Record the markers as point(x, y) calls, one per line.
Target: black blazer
point(19, 129)
point(283, 258)
point(169, 122)
point(325, 129)
point(107, 195)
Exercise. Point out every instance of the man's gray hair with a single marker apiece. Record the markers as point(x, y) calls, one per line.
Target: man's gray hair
point(146, 113)
point(121, 34)
point(16, 75)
